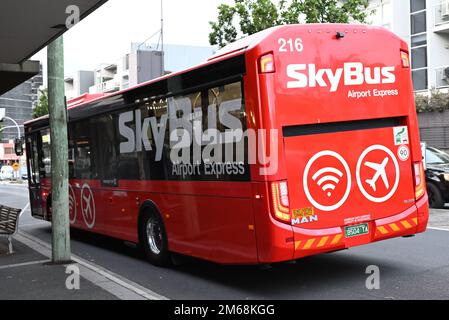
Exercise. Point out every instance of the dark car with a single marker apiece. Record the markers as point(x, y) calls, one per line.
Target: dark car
point(437, 177)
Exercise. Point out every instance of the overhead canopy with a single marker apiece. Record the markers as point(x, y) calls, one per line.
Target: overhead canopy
point(28, 26)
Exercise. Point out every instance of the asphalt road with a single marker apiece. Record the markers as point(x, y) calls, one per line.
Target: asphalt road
point(412, 268)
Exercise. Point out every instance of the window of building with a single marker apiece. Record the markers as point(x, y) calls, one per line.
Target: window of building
point(419, 58)
point(417, 5)
point(419, 22)
point(383, 11)
point(419, 40)
point(420, 79)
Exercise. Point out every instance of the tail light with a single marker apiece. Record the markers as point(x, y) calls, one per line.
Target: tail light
point(405, 58)
point(266, 63)
point(280, 203)
point(420, 180)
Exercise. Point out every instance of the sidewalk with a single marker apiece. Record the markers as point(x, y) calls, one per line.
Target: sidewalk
point(439, 219)
point(25, 275)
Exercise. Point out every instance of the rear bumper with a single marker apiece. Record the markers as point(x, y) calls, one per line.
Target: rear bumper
point(311, 242)
point(410, 222)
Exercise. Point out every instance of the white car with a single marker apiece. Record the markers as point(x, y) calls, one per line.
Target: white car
point(6, 173)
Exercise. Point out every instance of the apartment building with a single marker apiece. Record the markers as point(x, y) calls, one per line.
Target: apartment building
point(424, 24)
point(143, 63)
point(19, 103)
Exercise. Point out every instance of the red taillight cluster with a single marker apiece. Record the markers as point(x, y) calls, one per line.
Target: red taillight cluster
point(405, 58)
point(266, 63)
point(280, 202)
point(420, 180)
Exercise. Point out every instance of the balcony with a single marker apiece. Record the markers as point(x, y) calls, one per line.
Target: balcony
point(105, 87)
point(442, 17)
point(442, 80)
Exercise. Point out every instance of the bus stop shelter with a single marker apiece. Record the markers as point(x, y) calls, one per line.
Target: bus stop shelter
point(28, 26)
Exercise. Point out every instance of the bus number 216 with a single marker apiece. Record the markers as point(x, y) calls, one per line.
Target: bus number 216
point(290, 45)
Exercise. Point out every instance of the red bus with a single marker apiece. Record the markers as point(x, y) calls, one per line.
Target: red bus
point(295, 141)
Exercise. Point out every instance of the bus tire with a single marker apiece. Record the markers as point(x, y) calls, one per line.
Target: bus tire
point(153, 239)
point(436, 200)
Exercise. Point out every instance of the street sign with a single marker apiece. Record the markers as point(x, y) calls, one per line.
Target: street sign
point(16, 166)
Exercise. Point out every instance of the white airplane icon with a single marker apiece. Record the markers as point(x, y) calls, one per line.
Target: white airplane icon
point(380, 173)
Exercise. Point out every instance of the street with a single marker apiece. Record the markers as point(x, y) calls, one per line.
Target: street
point(412, 268)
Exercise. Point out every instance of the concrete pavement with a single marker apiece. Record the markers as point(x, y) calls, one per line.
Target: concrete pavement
point(26, 275)
point(439, 219)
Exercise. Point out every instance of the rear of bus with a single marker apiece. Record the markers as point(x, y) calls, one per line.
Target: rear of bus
point(350, 165)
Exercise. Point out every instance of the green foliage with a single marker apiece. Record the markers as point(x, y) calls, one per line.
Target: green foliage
point(41, 108)
point(422, 103)
point(247, 17)
point(437, 102)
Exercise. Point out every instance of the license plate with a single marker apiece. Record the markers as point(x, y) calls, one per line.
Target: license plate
point(358, 230)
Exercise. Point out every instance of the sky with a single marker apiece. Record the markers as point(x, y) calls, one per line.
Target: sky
point(106, 35)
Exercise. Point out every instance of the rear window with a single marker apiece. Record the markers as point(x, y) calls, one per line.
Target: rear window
point(435, 156)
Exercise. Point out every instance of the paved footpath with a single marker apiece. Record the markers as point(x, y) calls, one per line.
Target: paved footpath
point(28, 275)
point(439, 219)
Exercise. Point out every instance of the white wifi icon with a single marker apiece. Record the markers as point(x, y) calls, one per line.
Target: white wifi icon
point(328, 179)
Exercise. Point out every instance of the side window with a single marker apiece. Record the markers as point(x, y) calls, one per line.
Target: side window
point(151, 154)
point(71, 155)
point(228, 99)
point(33, 158)
point(105, 148)
point(45, 155)
point(83, 164)
point(83, 161)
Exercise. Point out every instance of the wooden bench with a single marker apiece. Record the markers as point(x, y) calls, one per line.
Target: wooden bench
point(9, 224)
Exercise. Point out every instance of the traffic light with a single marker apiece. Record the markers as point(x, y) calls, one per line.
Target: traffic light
point(18, 147)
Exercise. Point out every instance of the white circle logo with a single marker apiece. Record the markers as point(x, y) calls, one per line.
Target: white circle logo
point(378, 173)
point(327, 178)
point(403, 153)
point(88, 206)
point(72, 205)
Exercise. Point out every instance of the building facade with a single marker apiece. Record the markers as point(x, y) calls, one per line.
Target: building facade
point(424, 24)
point(19, 104)
point(142, 64)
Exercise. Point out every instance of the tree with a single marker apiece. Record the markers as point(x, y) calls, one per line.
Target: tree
point(41, 109)
point(247, 17)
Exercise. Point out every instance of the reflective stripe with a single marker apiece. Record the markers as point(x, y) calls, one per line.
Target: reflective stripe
point(322, 242)
point(406, 224)
point(309, 244)
point(394, 227)
point(382, 230)
point(336, 239)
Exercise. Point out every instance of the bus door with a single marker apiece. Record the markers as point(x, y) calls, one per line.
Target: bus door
point(32, 145)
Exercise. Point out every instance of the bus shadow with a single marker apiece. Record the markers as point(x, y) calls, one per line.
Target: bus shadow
point(317, 277)
point(322, 276)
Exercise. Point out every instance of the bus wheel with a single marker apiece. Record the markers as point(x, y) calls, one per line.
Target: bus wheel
point(436, 200)
point(154, 239)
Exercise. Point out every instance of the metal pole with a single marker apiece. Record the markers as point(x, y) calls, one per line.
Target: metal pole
point(162, 38)
point(9, 127)
point(59, 153)
point(15, 124)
